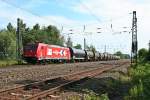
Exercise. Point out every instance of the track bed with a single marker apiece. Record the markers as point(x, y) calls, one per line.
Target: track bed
point(43, 88)
point(24, 74)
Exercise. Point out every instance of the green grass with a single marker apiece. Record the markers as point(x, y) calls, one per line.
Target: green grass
point(140, 80)
point(89, 95)
point(4, 63)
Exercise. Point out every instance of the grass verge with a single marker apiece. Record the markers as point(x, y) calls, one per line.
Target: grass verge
point(4, 63)
point(140, 81)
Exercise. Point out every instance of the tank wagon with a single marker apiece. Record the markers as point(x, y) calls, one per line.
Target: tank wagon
point(42, 53)
point(77, 54)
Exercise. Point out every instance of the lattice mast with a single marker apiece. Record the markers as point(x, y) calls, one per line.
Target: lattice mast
point(134, 39)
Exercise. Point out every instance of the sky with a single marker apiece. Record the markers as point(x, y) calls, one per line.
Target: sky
point(112, 18)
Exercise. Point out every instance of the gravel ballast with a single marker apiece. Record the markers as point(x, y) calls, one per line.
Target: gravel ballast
point(24, 74)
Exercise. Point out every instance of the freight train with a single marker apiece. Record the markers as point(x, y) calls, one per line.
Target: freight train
point(43, 53)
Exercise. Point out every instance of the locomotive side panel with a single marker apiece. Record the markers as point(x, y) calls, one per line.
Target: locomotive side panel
point(58, 53)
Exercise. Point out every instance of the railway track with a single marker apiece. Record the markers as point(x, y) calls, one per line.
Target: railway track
point(42, 89)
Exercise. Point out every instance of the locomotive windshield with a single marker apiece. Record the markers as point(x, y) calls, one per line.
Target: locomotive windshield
point(30, 47)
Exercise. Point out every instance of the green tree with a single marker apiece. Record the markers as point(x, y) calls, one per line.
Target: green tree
point(49, 35)
point(142, 54)
point(122, 56)
point(91, 48)
point(7, 45)
point(10, 28)
point(126, 56)
point(28, 37)
point(148, 56)
point(78, 46)
point(36, 27)
point(119, 53)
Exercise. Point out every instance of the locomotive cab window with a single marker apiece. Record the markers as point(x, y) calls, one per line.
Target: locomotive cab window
point(30, 47)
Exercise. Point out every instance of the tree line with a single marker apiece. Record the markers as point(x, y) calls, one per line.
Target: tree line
point(122, 56)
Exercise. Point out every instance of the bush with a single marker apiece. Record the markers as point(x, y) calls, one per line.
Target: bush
point(140, 76)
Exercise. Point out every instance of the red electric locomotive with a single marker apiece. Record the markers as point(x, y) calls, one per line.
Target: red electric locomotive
point(40, 52)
